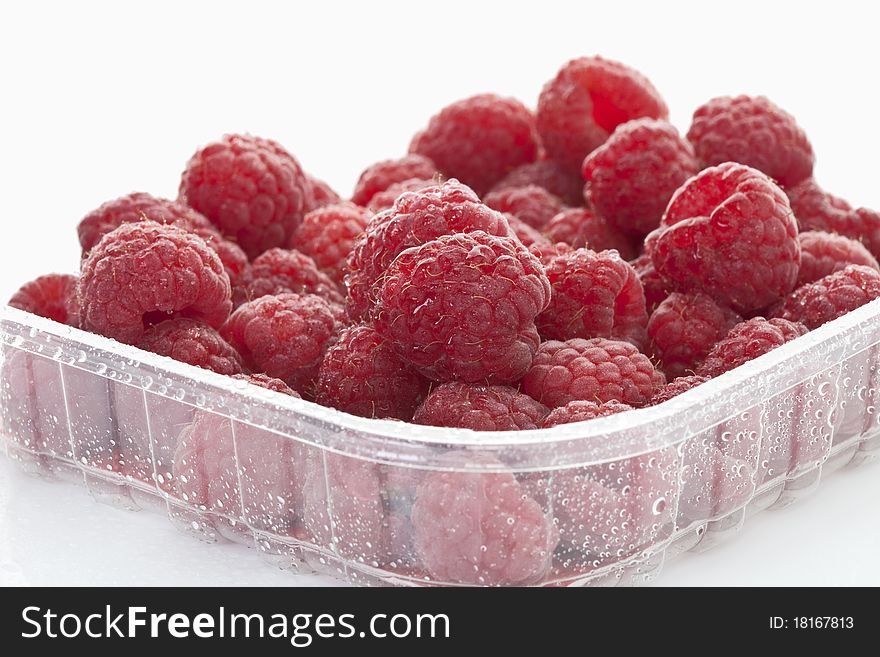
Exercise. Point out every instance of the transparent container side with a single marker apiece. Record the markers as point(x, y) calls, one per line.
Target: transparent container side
point(602, 503)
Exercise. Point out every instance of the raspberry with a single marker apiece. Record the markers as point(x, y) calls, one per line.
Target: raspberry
point(415, 218)
point(597, 370)
point(386, 198)
point(831, 297)
point(582, 228)
point(685, 327)
point(141, 273)
point(267, 383)
point(463, 307)
point(140, 206)
point(52, 296)
point(320, 195)
point(746, 341)
point(343, 507)
point(480, 408)
point(329, 234)
point(675, 387)
point(752, 131)
point(192, 342)
point(530, 237)
point(284, 336)
point(363, 376)
point(243, 470)
point(281, 270)
point(252, 189)
point(568, 187)
point(729, 232)
point(586, 101)
point(595, 295)
point(631, 177)
point(825, 253)
point(816, 209)
point(479, 140)
point(380, 176)
point(654, 286)
point(581, 411)
point(534, 205)
point(481, 528)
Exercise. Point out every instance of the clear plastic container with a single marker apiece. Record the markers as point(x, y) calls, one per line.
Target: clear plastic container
point(381, 502)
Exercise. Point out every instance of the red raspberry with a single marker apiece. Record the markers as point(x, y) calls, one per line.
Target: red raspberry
point(321, 194)
point(655, 288)
point(547, 254)
point(530, 237)
point(595, 295)
point(380, 176)
point(284, 336)
point(343, 507)
point(52, 296)
point(552, 176)
point(140, 206)
point(252, 189)
point(481, 528)
point(831, 297)
point(582, 228)
point(597, 370)
point(755, 132)
point(676, 387)
point(363, 376)
point(746, 341)
point(243, 471)
point(285, 270)
point(141, 273)
point(729, 232)
point(329, 234)
point(685, 327)
point(480, 408)
point(267, 383)
point(825, 253)
point(534, 205)
point(479, 140)
point(631, 177)
point(816, 209)
point(189, 341)
point(463, 307)
point(416, 218)
point(385, 199)
point(581, 411)
point(586, 101)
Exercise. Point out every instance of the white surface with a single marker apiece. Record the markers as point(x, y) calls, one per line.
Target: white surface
point(103, 99)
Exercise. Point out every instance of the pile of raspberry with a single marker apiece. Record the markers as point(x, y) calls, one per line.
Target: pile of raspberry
point(517, 269)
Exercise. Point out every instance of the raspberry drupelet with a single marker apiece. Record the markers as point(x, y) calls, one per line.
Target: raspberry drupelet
point(361, 375)
point(479, 140)
point(594, 295)
point(729, 232)
point(253, 190)
point(754, 131)
point(631, 177)
point(52, 296)
point(597, 370)
point(144, 272)
point(683, 329)
point(480, 408)
point(586, 101)
point(463, 307)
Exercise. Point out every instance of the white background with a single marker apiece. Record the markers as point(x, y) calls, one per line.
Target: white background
point(98, 100)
